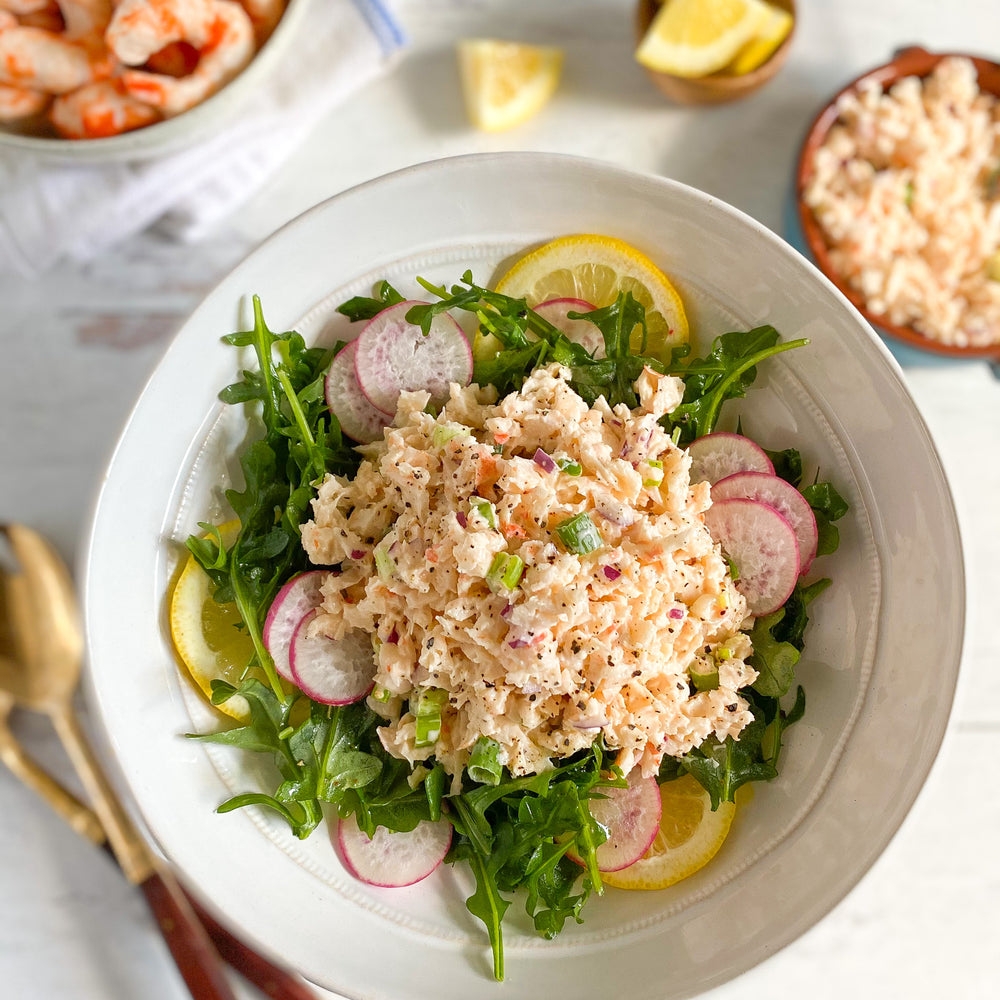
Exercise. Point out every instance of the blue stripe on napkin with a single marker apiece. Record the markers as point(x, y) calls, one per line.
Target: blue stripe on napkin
point(385, 26)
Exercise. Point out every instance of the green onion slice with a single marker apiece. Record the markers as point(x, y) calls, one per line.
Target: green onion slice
point(385, 565)
point(579, 534)
point(428, 715)
point(486, 511)
point(443, 433)
point(704, 679)
point(505, 572)
point(570, 467)
point(484, 762)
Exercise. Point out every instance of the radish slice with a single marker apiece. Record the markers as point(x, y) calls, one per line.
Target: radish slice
point(358, 418)
point(332, 671)
point(715, 456)
point(291, 604)
point(393, 859)
point(394, 355)
point(783, 497)
point(631, 817)
point(764, 548)
point(580, 331)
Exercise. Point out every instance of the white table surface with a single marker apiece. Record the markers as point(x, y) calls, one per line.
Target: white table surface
point(78, 344)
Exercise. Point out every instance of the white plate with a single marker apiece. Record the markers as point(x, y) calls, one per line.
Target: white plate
point(880, 664)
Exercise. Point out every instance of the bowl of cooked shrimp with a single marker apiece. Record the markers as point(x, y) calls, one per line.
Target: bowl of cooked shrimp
point(93, 80)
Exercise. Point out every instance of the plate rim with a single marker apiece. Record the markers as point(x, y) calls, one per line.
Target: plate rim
point(87, 552)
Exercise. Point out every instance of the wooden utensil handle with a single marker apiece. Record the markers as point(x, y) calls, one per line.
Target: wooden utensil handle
point(195, 957)
point(67, 805)
point(269, 979)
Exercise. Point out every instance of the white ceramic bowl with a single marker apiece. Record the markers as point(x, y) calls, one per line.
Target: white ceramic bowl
point(172, 134)
point(880, 664)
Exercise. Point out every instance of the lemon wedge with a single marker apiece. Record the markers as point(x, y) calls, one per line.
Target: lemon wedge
point(596, 268)
point(506, 83)
point(690, 836)
point(763, 45)
point(696, 37)
point(207, 635)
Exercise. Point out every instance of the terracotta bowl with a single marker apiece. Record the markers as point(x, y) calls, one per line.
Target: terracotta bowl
point(907, 62)
point(718, 87)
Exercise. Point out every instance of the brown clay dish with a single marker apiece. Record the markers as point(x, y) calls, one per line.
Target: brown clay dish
point(718, 87)
point(907, 62)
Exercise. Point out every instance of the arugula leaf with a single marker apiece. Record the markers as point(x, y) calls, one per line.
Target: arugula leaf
point(613, 376)
point(291, 747)
point(828, 506)
point(300, 444)
point(787, 464)
point(726, 372)
point(362, 307)
point(773, 658)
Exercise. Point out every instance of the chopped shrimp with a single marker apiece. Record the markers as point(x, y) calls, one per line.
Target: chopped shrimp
point(139, 28)
point(265, 15)
point(17, 103)
point(99, 110)
point(229, 47)
point(39, 60)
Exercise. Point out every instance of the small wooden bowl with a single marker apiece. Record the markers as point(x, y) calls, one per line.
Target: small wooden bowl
point(913, 61)
point(718, 87)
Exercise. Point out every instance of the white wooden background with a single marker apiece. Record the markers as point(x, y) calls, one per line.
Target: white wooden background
point(78, 343)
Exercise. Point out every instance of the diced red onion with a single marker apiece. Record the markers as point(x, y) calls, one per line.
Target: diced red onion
point(507, 609)
point(544, 461)
point(676, 613)
point(591, 722)
point(393, 637)
point(612, 572)
point(616, 512)
point(358, 553)
point(462, 519)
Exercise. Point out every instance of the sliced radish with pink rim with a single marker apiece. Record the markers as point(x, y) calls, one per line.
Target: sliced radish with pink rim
point(580, 331)
point(631, 817)
point(293, 602)
point(763, 547)
point(783, 497)
point(358, 418)
point(394, 355)
point(715, 456)
point(332, 671)
point(393, 859)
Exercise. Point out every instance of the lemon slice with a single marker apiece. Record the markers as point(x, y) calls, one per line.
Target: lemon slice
point(690, 836)
point(763, 45)
point(596, 269)
point(506, 83)
point(697, 37)
point(207, 635)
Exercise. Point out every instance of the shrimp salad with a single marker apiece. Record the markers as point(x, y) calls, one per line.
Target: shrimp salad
point(90, 69)
point(500, 601)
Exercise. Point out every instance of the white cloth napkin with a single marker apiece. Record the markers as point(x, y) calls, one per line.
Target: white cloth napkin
point(54, 212)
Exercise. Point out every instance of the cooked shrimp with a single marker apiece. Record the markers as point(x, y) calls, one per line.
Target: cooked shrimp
point(99, 110)
point(17, 103)
point(85, 18)
point(139, 28)
point(39, 60)
point(229, 47)
point(48, 17)
point(265, 14)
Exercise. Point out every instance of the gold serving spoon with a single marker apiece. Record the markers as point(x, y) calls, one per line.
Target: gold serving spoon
point(40, 670)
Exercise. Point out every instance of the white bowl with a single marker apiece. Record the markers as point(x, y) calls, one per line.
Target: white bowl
point(880, 663)
point(171, 134)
